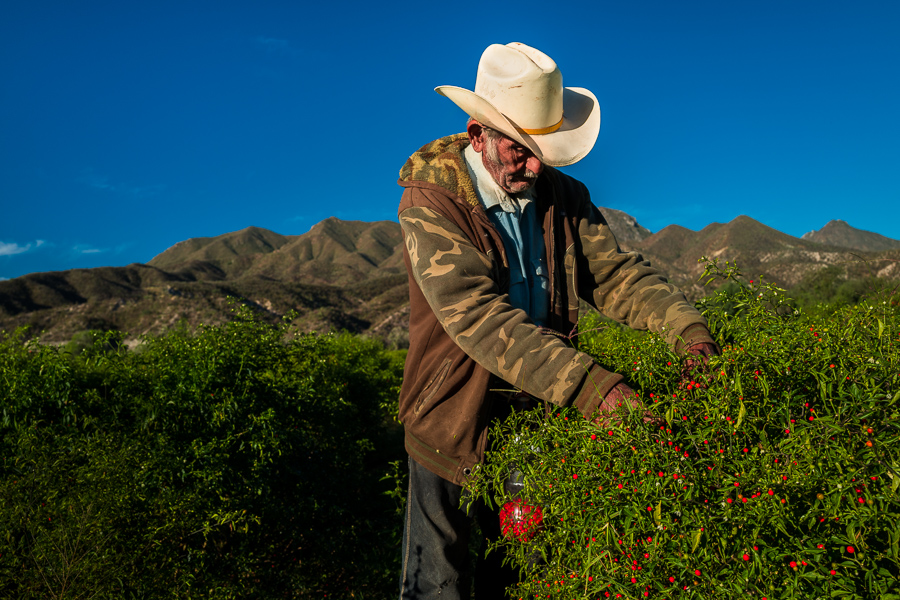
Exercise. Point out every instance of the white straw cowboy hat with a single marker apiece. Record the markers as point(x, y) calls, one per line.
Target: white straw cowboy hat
point(519, 92)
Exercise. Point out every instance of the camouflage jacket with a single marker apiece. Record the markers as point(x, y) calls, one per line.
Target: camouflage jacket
point(466, 340)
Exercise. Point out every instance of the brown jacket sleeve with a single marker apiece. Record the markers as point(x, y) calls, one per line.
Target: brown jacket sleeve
point(626, 288)
point(456, 280)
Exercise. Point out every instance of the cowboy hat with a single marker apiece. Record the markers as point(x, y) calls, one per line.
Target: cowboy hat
point(519, 92)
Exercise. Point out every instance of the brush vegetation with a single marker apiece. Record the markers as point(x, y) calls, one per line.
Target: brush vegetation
point(238, 461)
point(252, 460)
point(773, 474)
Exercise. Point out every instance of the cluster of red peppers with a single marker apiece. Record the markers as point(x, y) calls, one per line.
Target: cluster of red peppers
point(518, 517)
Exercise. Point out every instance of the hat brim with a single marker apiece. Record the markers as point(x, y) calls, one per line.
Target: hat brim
point(565, 146)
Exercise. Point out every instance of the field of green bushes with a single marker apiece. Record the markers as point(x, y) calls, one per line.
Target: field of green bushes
point(248, 461)
point(222, 464)
point(773, 475)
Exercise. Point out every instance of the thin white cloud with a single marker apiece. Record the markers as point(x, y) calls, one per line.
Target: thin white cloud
point(86, 249)
point(12, 248)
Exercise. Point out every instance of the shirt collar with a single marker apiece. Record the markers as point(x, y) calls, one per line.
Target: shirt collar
point(488, 191)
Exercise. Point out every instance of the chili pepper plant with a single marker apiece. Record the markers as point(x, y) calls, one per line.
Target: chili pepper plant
point(772, 474)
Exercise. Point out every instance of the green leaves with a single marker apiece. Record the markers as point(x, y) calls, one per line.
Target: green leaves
point(787, 456)
point(238, 461)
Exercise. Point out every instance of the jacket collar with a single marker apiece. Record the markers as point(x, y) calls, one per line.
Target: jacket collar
point(441, 163)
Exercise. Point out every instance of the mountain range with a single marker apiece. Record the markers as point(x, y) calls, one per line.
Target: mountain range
point(349, 275)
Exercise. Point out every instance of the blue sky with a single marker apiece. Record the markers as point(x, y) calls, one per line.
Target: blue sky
point(126, 127)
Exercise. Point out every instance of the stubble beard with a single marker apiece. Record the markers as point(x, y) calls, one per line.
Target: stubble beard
point(511, 183)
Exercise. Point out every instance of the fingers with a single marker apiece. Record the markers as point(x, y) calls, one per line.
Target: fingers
point(703, 350)
point(617, 397)
point(694, 372)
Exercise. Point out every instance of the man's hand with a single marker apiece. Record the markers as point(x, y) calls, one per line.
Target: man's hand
point(695, 366)
point(618, 396)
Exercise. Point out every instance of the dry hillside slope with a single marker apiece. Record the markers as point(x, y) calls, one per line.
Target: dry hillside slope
point(349, 275)
point(760, 250)
point(336, 252)
point(840, 233)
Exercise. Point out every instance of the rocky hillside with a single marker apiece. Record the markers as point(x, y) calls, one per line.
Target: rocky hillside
point(339, 275)
point(839, 233)
point(760, 251)
point(350, 275)
point(628, 231)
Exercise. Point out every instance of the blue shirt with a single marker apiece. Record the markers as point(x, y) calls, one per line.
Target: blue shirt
point(515, 217)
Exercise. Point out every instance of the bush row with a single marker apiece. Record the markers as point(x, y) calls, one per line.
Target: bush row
point(223, 464)
point(774, 474)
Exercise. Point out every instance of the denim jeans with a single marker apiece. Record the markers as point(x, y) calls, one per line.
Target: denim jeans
point(436, 561)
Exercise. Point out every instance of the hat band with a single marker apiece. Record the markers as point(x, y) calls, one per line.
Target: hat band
point(544, 130)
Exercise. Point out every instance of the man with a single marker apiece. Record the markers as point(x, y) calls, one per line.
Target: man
point(500, 246)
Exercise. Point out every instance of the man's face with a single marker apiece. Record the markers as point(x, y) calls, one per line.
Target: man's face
point(514, 167)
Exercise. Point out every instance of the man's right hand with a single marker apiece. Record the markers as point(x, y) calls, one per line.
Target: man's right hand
point(619, 396)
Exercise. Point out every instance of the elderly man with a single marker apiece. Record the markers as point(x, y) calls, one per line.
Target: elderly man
point(500, 248)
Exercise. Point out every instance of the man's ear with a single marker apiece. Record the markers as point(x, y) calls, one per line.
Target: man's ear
point(476, 135)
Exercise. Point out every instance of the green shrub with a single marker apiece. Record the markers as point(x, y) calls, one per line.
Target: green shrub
point(224, 464)
point(831, 287)
point(776, 477)
point(231, 463)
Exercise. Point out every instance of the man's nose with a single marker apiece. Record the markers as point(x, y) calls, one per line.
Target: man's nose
point(533, 164)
